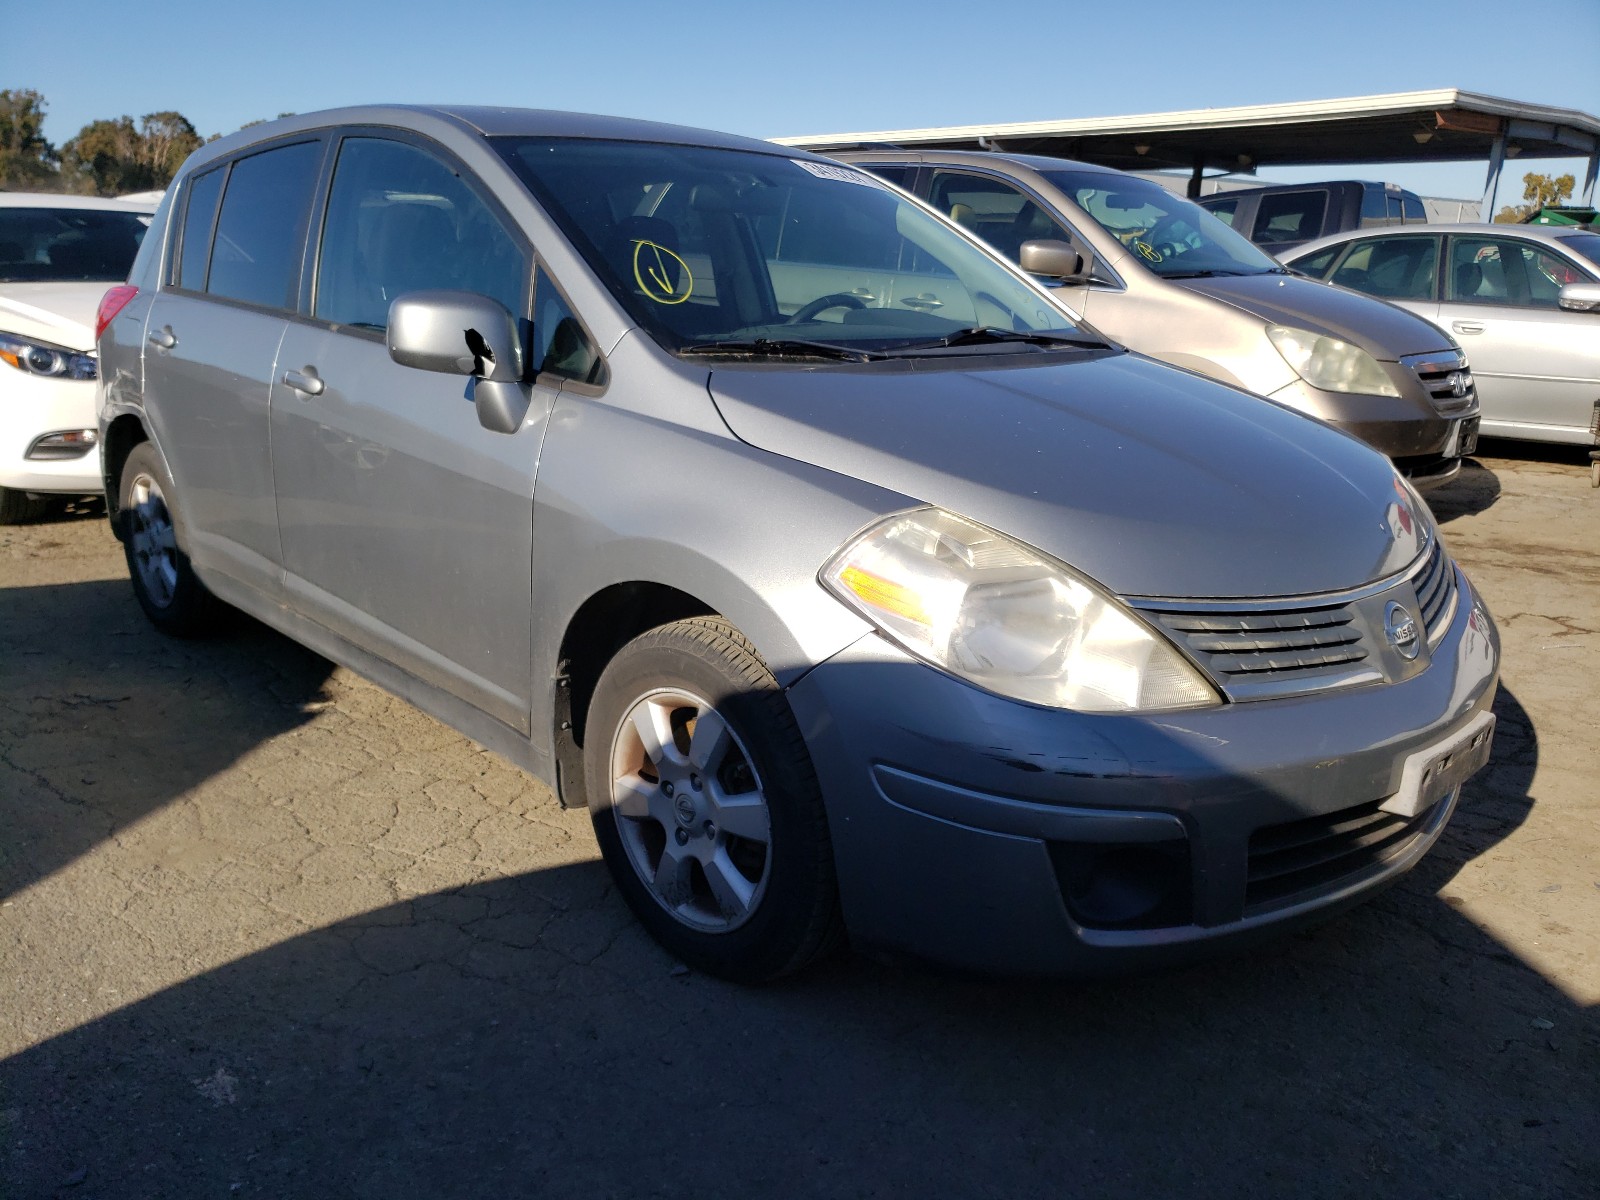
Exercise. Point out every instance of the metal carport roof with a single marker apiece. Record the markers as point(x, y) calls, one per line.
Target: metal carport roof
point(1444, 125)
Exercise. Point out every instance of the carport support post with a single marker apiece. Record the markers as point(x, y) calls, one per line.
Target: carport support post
point(1588, 179)
point(1497, 156)
point(1199, 174)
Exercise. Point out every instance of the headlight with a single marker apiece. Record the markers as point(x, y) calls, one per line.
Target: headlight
point(1003, 616)
point(41, 358)
point(1330, 364)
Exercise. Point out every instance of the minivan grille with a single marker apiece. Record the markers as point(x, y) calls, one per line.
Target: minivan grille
point(1304, 856)
point(1447, 379)
point(1276, 648)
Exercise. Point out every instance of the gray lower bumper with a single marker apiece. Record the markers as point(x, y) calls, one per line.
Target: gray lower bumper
point(957, 815)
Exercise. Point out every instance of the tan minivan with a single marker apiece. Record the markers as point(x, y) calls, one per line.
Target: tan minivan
point(1166, 278)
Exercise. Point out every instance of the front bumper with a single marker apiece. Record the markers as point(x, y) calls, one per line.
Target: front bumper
point(1403, 427)
point(32, 407)
point(963, 823)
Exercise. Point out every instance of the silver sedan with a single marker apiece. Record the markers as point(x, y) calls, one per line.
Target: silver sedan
point(1523, 301)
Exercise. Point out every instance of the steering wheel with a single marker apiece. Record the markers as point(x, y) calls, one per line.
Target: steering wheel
point(823, 303)
point(1164, 240)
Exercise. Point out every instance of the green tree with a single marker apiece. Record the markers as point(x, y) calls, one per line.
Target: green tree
point(1539, 191)
point(27, 160)
point(114, 156)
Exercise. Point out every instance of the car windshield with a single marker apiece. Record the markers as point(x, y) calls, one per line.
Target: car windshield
point(732, 251)
point(1586, 244)
point(1169, 235)
point(64, 245)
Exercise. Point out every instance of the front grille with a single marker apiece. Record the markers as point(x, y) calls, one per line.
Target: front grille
point(1241, 645)
point(1447, 379)
point(1269, 649)
point(1435, 586)
point(1303, 856)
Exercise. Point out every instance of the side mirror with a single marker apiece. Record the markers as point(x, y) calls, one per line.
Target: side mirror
point(463, 333)
point(455, 333)
point(1052, 259)
point(1579, 297)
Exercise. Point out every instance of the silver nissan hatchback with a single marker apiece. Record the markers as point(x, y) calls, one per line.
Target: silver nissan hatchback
point(853, 587)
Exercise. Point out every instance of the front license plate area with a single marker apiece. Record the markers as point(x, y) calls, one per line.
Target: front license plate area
point(1433, 773)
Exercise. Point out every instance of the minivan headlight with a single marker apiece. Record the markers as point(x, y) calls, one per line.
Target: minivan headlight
point(1002, 615)
point(41, 358)
point(1330, 364)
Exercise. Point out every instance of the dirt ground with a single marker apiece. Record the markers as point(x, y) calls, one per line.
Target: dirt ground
point(266, 931)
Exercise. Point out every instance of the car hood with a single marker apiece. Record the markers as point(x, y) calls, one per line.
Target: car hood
point(62, 313)
point(1153, 481)
point(1383, 330)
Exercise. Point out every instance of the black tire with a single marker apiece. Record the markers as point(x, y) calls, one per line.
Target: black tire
point(793, 919)
point(19, 508)
point(167, 588)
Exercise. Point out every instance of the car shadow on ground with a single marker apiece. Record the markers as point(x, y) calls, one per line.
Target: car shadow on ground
point(522, 1036)
point(1473, 490)
point(105, 720)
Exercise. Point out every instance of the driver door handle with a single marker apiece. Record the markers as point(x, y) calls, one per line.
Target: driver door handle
point(927, 301)
point(1466, 326)
point(306, 382)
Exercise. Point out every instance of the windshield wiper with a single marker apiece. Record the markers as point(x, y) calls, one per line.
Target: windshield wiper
point(1214, 271)
point(979, 335)
point(782, 348)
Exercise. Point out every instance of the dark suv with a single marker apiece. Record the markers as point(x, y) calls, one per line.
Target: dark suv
point(1282, 217)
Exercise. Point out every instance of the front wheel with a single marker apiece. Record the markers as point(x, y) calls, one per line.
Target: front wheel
point(706, 806)
point(167, 588)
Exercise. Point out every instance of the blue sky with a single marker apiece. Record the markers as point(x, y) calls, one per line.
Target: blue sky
point(813, 67)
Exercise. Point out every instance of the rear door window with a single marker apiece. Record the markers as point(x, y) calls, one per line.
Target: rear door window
point(255, 256)
point(194, 244)
point(1395, 268)
point(1289, 217)
point(1000, 214)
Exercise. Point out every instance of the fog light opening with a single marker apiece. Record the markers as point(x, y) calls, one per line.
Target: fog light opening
point(1125, 887)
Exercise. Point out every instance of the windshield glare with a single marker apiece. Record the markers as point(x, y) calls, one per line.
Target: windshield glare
point(65, 245)
point(1163, 232)
point(706, 246)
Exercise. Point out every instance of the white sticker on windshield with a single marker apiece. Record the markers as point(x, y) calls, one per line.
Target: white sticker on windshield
point(842, 174)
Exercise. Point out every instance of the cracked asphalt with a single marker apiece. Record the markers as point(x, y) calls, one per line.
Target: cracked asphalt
point(267, 931)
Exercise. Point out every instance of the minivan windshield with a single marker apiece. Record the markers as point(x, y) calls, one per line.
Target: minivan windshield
point(65, 245)
point(1165, 233)
point(732, 251)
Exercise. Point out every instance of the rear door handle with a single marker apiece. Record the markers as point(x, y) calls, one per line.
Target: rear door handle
point(163, 338)
point(1466, 326)
point(306, 382)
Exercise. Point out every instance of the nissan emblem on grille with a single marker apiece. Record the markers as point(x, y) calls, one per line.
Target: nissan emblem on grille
point(1401, 631)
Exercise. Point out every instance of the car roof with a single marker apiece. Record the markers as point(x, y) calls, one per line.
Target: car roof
point(62, 200)
point(1552, 235)
point(487, 121)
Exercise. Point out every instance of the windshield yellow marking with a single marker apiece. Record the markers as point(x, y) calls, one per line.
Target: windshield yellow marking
point(1148, 251)
point(652, 271)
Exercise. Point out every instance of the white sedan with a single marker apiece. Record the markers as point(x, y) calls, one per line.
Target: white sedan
point(58, 254)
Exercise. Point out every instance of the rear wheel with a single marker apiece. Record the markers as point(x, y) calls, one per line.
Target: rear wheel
point(167, 588)
point(706, 806)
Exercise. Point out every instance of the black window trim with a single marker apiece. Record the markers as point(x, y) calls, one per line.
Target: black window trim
point(563, 383)
point(227, 164)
